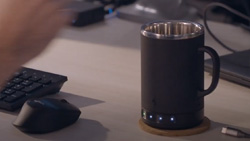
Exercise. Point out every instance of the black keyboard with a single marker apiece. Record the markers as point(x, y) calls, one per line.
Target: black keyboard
point(29, 83)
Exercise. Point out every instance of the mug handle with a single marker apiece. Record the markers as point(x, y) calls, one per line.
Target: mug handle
point(215, 72)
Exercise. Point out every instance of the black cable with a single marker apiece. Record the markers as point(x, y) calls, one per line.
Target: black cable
point(246, 5)
point(217, 4)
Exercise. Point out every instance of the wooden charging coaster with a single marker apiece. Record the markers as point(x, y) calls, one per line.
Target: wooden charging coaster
point(185, 132)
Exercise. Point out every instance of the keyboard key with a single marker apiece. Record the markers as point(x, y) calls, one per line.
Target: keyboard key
point(9, 99)
point(25, 76)
point(18, 94)
point(45, 81)
point(9, 91)
point(17, 80)
point(14, 96)
point(9, 85)
point(18, 87)
point(17, 74)
point(35, 78)
point(26, 82)
point(32, 87)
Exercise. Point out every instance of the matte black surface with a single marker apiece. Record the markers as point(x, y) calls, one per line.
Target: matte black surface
point(173, 79)
point(87, 13)
point(171, 74)
point(46, 115)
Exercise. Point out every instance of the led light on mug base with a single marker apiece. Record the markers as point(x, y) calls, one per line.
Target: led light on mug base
point(172, 74)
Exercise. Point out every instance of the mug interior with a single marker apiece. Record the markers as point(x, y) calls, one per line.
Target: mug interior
point(172, 29)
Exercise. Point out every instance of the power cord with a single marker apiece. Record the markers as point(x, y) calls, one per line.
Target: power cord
point(226, 130)
point(234, 132)
point(217, 4)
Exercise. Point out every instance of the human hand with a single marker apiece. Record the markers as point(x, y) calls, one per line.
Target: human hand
point(27, 27)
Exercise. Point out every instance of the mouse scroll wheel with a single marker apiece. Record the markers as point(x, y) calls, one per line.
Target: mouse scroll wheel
point(64, 101)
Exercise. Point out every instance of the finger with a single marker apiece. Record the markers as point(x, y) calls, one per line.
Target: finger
point(55, 22)
point(48, 9)
point(35, 4)
point(42, 36)
point(34, 9)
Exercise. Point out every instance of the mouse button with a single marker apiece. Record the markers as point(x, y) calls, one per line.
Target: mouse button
point(64, 101)
point(70, 107)
point(35, 103)
point(51, 104)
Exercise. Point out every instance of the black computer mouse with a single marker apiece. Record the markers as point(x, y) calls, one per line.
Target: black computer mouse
point(46, 115)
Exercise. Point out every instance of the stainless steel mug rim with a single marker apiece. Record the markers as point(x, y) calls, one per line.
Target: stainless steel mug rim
point(172, 29)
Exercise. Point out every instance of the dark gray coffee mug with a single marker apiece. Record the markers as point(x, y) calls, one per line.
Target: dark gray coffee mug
point(172, 74)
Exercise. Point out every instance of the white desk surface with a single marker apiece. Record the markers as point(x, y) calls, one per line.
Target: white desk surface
point(102, 62)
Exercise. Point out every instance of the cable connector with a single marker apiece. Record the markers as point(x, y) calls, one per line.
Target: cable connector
point(234, 132)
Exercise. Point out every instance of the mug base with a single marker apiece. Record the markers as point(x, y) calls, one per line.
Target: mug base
point(172, 121)
point(202, 127)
